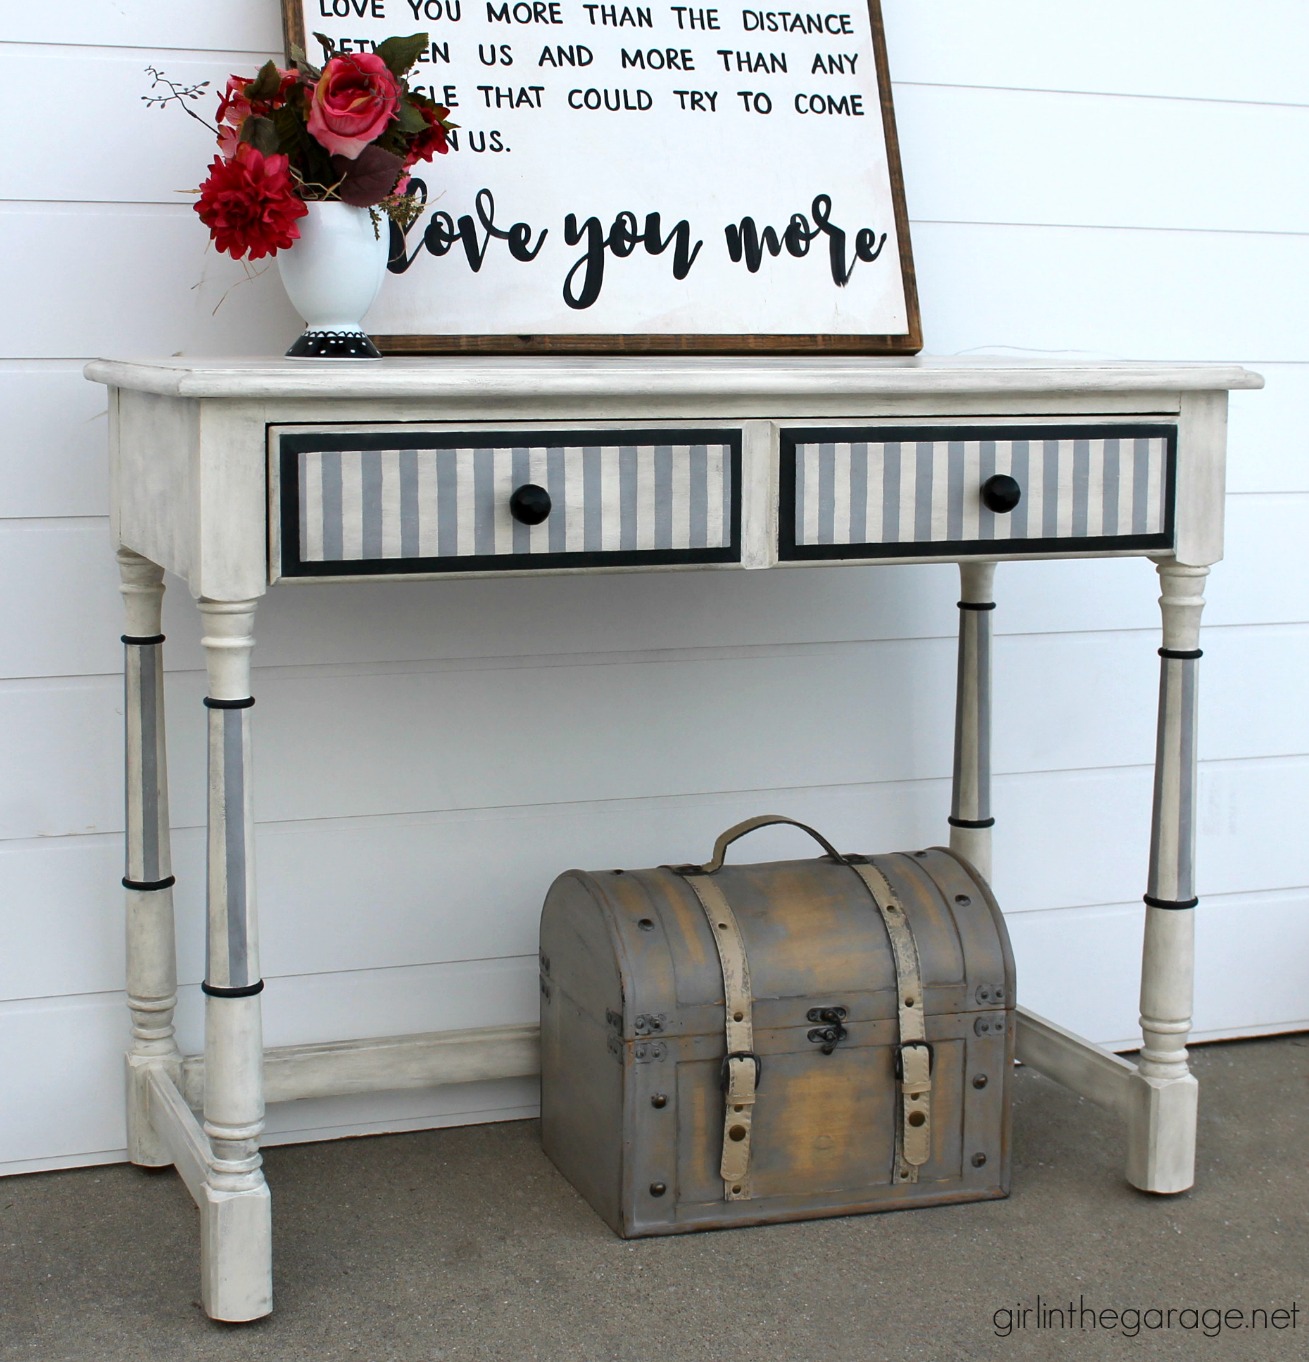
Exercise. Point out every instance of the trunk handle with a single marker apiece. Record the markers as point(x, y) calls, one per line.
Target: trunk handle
point(762, 821)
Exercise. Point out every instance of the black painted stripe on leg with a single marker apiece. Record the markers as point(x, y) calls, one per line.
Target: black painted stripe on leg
point(976, 605)
point(211, 703)
point(146, 885)
point(1181, 654)
point(144, 641)
point(1177, 905)
point(217, 991)
point(970, 822)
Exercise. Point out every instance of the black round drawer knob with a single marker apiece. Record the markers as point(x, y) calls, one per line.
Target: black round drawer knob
point(529, 504)
point(1001, 493)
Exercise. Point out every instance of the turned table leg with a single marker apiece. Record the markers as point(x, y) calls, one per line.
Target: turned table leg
point(147, 875)
point(1162, 1113)
point(970, 804)
point(236, 1244)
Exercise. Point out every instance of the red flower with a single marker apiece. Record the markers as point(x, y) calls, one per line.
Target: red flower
point(355, 99)
point(235, 104)
point(433, 139)
point(250, 204)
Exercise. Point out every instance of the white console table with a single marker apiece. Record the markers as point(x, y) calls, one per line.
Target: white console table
point(238, 475)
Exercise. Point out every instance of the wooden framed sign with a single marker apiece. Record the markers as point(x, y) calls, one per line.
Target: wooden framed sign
point(645, 177)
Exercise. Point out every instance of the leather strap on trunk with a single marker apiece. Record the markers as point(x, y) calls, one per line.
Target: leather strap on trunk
point(740, 1065)
point(914, 1055)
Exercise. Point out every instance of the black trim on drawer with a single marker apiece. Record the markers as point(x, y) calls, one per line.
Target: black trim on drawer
point(789, 551)
point(291, 445)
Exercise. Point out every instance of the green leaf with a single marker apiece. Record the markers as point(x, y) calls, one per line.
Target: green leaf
point(260, 133)
point(410, 118)
point(400, 54)
point(329, 47)
point(266, 84)
point(302, 63)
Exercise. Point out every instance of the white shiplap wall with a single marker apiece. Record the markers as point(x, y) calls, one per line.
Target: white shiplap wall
point(1116, 178)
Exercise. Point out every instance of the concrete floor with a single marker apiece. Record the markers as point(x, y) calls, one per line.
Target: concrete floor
point(466, 1245)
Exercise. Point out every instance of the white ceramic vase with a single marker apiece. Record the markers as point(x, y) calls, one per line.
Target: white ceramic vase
point(332, 275)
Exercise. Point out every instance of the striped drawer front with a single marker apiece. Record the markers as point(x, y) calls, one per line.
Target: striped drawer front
point(404, 501)
point(878, 492)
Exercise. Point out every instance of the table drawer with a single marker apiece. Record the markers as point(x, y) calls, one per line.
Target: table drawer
point(918, 492)
point(406, 501)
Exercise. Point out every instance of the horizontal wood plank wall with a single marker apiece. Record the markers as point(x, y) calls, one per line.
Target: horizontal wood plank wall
point(1071, 193)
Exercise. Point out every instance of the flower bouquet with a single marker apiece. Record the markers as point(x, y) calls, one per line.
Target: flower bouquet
point(340, 140)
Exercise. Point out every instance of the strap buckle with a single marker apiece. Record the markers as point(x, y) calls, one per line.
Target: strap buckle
point(915, 1045)
point(725, 1074)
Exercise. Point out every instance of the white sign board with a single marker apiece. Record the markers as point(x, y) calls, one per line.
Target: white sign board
point(645, 177)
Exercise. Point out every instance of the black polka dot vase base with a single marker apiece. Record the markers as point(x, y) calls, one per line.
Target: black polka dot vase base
point(349, 344)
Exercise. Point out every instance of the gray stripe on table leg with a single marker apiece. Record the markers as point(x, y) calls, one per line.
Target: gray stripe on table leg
point(890, 493)
point(983, 648)
point(627, 495)
point(147, 662)
point(1186, 781)
point(234, 721)
point(333, 551)
point(408, 503)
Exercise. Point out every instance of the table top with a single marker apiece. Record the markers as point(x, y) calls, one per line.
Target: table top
point(512, 378)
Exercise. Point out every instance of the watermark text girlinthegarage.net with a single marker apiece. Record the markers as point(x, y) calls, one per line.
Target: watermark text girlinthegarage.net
point(1080, 1316)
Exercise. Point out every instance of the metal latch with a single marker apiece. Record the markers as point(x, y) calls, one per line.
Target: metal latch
point(831, 1033)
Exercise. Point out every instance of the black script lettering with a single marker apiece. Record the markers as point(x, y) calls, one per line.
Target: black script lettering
point(443, 232)
point(623, 237)
point(755, 101)
point(792, 21)
point(509, 97)
point(746, 242)
point(698, 101)
point(493, 54)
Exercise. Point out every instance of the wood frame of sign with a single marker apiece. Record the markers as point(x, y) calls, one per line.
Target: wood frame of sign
point(788, 264)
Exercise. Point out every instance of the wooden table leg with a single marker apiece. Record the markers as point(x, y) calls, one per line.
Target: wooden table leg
point(236, 1244)
point(147, 874)
point(1162, 1113)
point(970, 805)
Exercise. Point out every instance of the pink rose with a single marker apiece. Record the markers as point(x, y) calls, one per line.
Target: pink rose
point(354, 100)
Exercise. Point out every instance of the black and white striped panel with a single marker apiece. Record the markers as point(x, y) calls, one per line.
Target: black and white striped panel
point(232, 957)
point(891, 492)
point(421, 502)
point(1172, 844)
point(147, 860)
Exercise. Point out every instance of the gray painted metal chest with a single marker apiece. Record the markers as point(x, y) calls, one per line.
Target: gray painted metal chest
point(874, 996)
